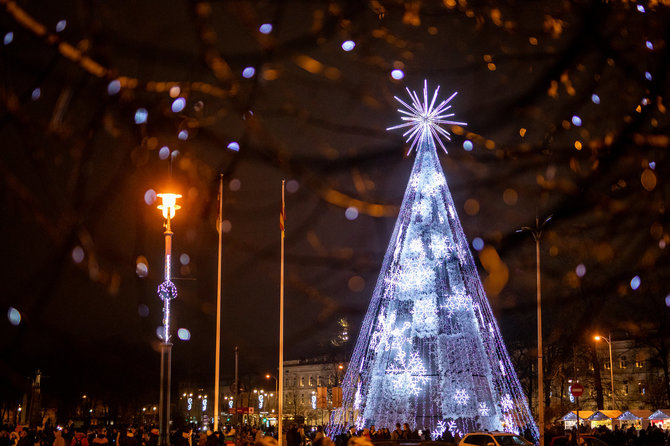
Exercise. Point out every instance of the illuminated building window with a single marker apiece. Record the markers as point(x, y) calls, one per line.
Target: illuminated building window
point(623, 363)
point(302, 381)
point(311, 381)
point(607, 365)
point(639, 364)
point(625, 387)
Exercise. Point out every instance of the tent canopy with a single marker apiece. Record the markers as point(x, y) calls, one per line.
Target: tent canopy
point(631, 415)
point(605, 415)
point(660, 414)
point(572, 415)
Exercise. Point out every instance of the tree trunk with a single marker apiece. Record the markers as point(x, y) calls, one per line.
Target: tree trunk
point(596, 379)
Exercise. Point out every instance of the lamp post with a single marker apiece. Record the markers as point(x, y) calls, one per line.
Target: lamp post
point(608, 339)
point(166, 291)
point(537, 234)
point(268, 376)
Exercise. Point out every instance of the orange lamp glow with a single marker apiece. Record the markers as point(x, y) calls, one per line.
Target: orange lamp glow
point(169, 206)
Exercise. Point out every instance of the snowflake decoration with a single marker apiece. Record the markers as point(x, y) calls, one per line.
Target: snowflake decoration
point(455, 302)
point(423, 207)
point(416, 247)
point(439, 430)
point(483, 409)
point(408, 374)
point(424, 119)
point(461, 397)
point(167, 290)
point(425, 311)
point(387, 337)
point(506, 402)
point(453, 428)
point(415, 276)
point(439, 247)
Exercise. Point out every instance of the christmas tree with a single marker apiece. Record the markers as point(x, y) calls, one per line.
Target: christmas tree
point(429, 352)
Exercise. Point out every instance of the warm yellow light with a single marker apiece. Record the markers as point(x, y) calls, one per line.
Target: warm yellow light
point(597, 337)
point(169, 206)
point(267, 376)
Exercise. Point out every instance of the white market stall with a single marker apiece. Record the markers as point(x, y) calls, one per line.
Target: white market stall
point(639, 419)
point(570, 419)
point(604, 418)
point(660, 418)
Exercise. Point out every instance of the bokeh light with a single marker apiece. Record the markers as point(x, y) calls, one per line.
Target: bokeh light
point(234, 146)
point(356, 284)
point(248, 72)
point(348, 45)
point(60, 26)
point(184, 259)
point(652, 165)
point(226, 226)
point(175, 91)
point(478, 243)
point(397, 74)
point(580, 270)
point(595, 99)
point(164, 152)
point(647, 75)
point(467, 145)
point(351, 213)
point(235, 184)
point(641, 9)
point(649, 45)
point(113, 87)
point(292, 186)
point(141, 269)
point(78, 254)
point(667, 300)
point(160, 331)
point(150, 197)
point(14, 316)
point(141, 116)
point(8, 38)
point(143, 310)
point(183, 135)
point(178, 105)
point(576, 120)
point(35, 95)
point(184, 334)
point(635, 282)
point(265, 28)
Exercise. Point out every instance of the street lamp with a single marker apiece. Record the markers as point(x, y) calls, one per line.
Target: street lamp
point(166, 291)
point(608, 339)
point(268, 376)
point(537, 234)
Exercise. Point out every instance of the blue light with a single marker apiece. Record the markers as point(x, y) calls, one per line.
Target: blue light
point(248, 72)
point(667, 300)
point(265, 28)
point(580, 270)
point(351, 213)
point(35, 95)
point(348, 45)
point(14, 316)
point(576, 120)
point(467, 145)
point(113, 87)
point(183, 135)
point(595, 99)
point(60, 26)
point(178, 105)
point(184, 334)
point(647, 75)
point(397, 74)
point(141, 116)
point(234, 146)
point(164, 152)
point(652, 165)
point(143, 310)
point(641, 9)
point(635, 282)
point(8, 38)
point(649, 45)
point(478, 243)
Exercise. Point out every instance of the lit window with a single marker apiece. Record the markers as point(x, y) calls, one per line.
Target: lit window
point(639, 364)
point(623, 363)
point(311, 381)
point(625, 387)
point(302, 381)
point(607, 365)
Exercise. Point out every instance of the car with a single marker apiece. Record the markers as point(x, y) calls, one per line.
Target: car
point(584, 440)
point(493, 438)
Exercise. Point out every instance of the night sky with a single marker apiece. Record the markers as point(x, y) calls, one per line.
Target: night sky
point(566, 105)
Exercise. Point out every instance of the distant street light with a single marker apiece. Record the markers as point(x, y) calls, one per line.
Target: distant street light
point(608, 339)
point(268, 376)
point(537, 234)
point(166, 291)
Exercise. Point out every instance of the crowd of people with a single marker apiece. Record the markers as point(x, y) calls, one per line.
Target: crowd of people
point(297, 435)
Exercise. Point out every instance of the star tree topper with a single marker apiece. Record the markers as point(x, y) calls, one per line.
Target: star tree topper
point(424, 118)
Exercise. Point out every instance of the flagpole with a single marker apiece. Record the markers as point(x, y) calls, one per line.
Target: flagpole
point(218, 311)
point(280, 396)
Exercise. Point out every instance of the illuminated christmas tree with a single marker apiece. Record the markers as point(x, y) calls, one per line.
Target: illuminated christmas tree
point(429, 352)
